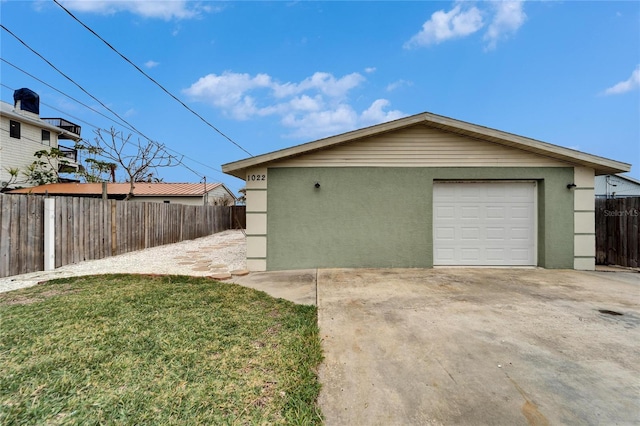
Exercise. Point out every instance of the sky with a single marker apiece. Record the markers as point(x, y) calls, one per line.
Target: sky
point(247, 78)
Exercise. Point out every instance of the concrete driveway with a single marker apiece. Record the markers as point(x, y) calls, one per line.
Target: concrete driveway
point(479, 346)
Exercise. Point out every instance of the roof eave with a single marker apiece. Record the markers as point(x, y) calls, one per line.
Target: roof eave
point(599, 164)
point(237, 168)
point(43, 124)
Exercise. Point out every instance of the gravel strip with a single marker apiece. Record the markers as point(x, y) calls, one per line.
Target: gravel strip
point(215, 254)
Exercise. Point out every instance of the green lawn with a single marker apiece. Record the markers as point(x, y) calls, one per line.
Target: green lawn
point(132, 349)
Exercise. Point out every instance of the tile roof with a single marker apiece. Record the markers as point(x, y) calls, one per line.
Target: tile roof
point(140, 189)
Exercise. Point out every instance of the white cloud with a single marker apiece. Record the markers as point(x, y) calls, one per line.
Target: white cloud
point(322, 123)
point(509, 17)
point(161, 9)
point(376, 114)
point(447, 25)
point(370, 70)
point(321, 81)
point(628, 85)
point(314, 107)
point(151, 64)
point(228, 92)
point(398, 84)
point(505, 17)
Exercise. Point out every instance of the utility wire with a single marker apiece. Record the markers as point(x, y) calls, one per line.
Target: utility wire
point(72, 81)
point(151, 79)
point(181, 155)
point(130, 126)
point(103, 115)
point(62, 93)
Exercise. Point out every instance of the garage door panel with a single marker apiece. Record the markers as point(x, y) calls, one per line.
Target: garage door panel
point(520, 255)
point(470, 233)
point(498, 212)
point(520, 233)
point(494, 233)
point(447, 255)
point(443, 233)
point(520, 212)
point(471, 255)
point(445, 213)
point(484, 223)
point(470, 212)
point(495, 255)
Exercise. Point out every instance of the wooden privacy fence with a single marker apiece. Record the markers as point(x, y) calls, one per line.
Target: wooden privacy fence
point(617, 231)
point(90, 228)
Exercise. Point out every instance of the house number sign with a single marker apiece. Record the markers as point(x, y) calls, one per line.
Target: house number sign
point(253, 178)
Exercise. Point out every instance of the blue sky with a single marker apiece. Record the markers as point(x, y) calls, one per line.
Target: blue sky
point(270, 75)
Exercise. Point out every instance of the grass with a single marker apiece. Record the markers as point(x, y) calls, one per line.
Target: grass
point(135, 349)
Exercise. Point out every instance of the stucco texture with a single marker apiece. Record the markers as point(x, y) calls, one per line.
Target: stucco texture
point(382, 216)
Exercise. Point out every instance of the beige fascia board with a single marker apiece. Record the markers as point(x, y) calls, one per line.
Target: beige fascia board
point(600, 164)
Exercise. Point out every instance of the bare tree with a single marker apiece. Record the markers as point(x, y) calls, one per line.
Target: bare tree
point(225, 200)
point(138, 160)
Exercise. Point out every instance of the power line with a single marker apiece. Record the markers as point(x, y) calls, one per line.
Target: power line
point(62, 93)
point(72, 81)
point(103, 115)
point(180, 162)
point(151, 79)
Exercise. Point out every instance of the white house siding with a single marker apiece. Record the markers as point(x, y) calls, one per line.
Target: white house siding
point(218, 193)
point(613, 186)
point(18, 153)
point(190, 201)
point(195, 200)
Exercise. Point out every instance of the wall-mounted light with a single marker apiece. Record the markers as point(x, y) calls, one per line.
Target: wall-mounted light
point(317, 185)
point(571, 186)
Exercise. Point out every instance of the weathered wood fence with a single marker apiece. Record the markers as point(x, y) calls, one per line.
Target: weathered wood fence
point(617, 231)
point(89, 228)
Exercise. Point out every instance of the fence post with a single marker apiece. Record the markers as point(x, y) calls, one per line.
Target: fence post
point(49, 234)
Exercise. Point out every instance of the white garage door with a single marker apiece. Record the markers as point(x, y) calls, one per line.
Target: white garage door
point(484, 223)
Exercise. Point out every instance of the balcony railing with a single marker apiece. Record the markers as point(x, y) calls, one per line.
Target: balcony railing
point(65, 125)
point(69, 163)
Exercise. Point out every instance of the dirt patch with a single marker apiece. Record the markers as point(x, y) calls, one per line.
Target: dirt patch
point(11, 299)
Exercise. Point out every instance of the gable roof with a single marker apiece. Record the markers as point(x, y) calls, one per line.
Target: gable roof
point(620, 185)
point(601, 165)
point(141, 189)
point(629, 179)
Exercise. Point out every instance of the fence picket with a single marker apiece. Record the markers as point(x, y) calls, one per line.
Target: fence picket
point(617, 233)
point(89, 229)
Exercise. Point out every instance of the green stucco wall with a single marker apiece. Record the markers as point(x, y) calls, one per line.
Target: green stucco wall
point(382, 217)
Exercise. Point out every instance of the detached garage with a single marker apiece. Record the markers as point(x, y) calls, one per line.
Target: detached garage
point(421, 191)
point(484, 223)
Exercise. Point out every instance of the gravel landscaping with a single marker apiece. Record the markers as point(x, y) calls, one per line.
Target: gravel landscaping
point(214, 255)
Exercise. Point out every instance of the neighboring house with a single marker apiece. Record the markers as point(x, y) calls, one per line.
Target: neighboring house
point(617, 186)
point(194, 194)
point(24, 133)
point(421, 191)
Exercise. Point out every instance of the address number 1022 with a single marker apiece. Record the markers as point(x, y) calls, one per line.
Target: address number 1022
point(254, 178)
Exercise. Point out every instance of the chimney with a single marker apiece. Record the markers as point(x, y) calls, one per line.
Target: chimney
point(27, 100)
